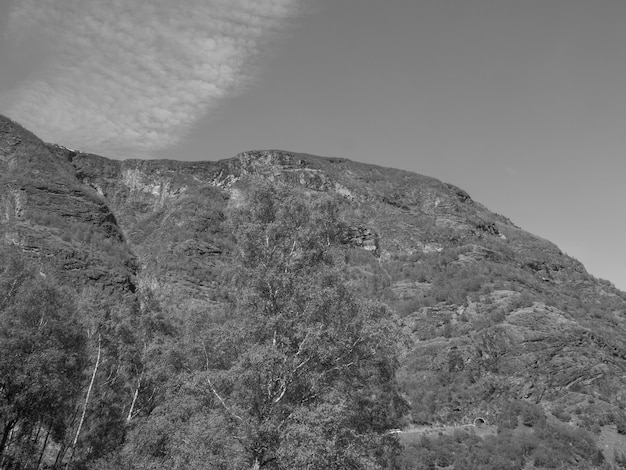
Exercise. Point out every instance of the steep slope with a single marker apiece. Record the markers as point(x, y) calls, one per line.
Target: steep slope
point(492, 313)
point(49, 214)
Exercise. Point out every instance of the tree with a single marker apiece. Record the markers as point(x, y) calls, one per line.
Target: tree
point(310, 382)
point(298, 372)
point(41, 359)
point(121, 380)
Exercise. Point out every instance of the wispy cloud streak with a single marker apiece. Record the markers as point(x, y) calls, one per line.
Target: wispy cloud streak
point(125, 77)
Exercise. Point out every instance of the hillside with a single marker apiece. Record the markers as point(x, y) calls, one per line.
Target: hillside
point(497, 323)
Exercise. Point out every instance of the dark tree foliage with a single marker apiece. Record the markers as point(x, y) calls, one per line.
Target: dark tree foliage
point(298, 373)
point(70, 388)
point(124, 376)
point(42, 356)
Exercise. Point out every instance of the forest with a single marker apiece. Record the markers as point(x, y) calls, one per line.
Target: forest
point(298, 371)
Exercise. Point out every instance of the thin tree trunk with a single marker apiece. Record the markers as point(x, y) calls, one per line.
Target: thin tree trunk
point(45, 444)
point(36, 439)
point(25, 450)
point(5, 437)
point(60, 455)
point(135, 395)
point(64, 446)
point(82, 417)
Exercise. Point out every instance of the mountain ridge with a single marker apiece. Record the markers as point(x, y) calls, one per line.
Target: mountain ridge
point(492, 312)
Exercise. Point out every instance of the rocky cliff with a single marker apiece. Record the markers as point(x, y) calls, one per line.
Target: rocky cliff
point(493, 313)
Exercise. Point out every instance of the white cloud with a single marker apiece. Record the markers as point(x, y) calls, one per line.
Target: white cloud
point(126, 77)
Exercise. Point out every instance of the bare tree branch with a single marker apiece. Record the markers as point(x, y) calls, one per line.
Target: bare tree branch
point(217, 395)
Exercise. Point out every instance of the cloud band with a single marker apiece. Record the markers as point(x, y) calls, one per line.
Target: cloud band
point(132, 76)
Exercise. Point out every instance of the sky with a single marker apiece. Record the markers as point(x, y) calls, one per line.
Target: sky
point(520, 103)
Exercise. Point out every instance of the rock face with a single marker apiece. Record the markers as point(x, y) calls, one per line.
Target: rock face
point(66, 225)
point(492, 312)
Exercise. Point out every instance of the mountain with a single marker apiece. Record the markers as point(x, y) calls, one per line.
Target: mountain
point(497, 322)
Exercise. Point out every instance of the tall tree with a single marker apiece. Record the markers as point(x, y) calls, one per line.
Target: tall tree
point(116, 387)
point(310, 381)
point(298, 373)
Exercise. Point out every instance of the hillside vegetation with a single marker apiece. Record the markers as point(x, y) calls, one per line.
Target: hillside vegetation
point(282, 310)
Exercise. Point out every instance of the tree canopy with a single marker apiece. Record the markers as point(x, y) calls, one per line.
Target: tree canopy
point(300, 372)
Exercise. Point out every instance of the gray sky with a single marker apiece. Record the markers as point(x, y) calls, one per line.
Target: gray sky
point(521, 103)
